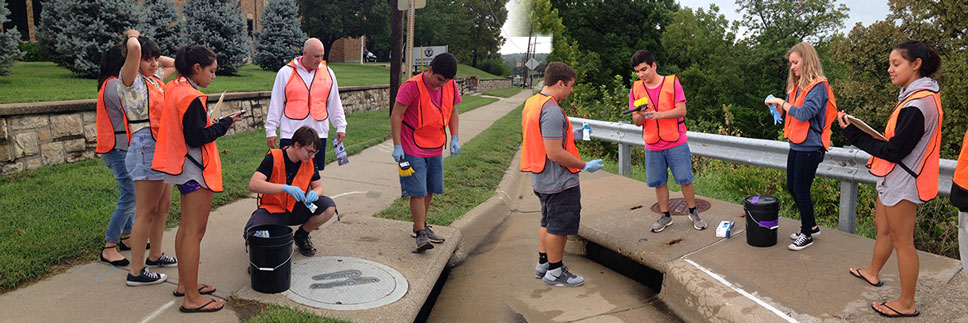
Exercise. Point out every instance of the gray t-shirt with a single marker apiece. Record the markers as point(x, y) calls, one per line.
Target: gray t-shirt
point(112, 105)
point(898, 184)
point(555, 178)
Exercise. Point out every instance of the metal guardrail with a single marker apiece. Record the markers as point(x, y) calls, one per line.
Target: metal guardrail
point(845, 164)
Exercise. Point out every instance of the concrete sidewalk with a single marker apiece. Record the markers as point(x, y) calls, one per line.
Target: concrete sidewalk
point(726, 280)
point(96, 291)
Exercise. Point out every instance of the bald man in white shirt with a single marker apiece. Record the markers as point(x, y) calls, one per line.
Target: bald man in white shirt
point(305, 93)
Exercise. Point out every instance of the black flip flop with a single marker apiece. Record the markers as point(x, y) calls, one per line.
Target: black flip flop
point(896, 313)
point(856, 273)
point(201, 309)
point(177, 294)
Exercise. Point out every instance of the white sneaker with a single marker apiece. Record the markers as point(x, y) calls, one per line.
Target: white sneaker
point(562, 277)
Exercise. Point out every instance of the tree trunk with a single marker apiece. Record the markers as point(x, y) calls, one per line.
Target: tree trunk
point(327, 46)
point(396, 49)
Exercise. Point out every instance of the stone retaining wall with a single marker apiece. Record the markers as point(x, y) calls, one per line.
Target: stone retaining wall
point(33, 135)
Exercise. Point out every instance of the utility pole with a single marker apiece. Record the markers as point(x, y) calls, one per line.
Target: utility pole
point(410, 13)
point(396, 48)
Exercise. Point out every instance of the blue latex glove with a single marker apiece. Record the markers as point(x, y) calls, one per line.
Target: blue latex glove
point(397, 152)
point(593, 166)
point(454, 145)
point(311, 197)
point(295, 192)
point(776, 114)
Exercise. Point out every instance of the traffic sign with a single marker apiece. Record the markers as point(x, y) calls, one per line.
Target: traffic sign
point(532, 64)
point(403, 5)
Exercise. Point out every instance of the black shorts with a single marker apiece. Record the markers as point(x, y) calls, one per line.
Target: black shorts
point(561, 212)
point(299, 215)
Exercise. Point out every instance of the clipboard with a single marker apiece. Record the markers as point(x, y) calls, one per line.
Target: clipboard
point(218, 106)
point(860, 124)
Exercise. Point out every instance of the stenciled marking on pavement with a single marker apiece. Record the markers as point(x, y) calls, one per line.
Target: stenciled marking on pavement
point(104, 273)
point(348, 193)
point(158, 311)
point(743, 292)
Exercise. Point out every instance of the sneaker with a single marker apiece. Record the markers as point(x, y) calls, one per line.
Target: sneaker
point(146, 277)
point(423, 241)
point(564, 278)
point(541, 269)
point(163, 261)
point(801, 243)
point(697, 221)
point(798, 234)
point(304, 244)
point(662, 223)
point(430, 235)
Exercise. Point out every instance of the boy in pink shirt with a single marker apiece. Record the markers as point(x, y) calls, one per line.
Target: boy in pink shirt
point(664, 133)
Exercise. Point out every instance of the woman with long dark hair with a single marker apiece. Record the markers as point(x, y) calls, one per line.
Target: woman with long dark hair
point(112, 143)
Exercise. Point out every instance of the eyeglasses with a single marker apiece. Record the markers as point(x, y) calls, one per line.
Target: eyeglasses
point(312, 152)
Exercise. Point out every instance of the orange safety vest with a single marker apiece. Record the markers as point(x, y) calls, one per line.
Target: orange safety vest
point(171, 150)
point(533, 153)
point(303, 100)
point(105, 127)
point(961, 171)
point(662, 129)
point(797, 130)
point(927, 174)
point(282, 202)
point(429, 133)
point(156, 102)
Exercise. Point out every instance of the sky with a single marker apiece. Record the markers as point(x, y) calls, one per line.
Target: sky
point(864, 11)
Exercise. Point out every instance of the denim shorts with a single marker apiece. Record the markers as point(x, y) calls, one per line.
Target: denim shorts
point(678, 159)
point(561, 212)
point(140, 153)
point(428, 176)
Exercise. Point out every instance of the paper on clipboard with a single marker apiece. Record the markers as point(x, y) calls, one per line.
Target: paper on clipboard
point(218, 106)
point(860, 124)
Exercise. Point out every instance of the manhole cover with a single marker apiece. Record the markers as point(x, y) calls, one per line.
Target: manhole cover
point(344, 283)
point(678, 206)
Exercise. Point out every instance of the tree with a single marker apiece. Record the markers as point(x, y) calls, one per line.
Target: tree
point(802, 20)
point(281, 39)
point(162, 25)
point(330, 20)
point(484, 39)
point(442, 23)
point(9, 49)
point(221, 27)
point(76, 33)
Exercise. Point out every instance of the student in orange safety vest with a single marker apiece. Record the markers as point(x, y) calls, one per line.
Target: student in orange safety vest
point(662, 118)
point(549, 153)
point(808, 112)
point(906, 166)
point(287, 181)
point(140, 84)
point(423, 112)
point(112, 144)
point(305, 93)
point(188, 156)
point(959, 198)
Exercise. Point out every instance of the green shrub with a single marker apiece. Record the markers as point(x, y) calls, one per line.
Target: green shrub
point(33, 52)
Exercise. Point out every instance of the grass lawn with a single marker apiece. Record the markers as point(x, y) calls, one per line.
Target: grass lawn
point(504, 93)
point(45, 81)
point(283, 314)
point(473, 175)
point(56, 216)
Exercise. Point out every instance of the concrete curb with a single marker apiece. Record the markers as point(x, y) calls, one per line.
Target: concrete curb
point(479, 222)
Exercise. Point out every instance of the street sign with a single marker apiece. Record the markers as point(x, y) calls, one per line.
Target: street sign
point(532, 64)
point(424, 54)
point(403, 5)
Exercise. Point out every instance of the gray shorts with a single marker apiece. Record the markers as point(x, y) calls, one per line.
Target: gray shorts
point(299, 215)
point(561, 212)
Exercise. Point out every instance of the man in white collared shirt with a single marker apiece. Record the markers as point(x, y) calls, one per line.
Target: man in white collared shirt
point(305, 93)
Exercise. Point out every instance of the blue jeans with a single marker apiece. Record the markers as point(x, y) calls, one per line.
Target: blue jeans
point(801, 169)
point(428, 176)
point(123, 217)
point(657, 163)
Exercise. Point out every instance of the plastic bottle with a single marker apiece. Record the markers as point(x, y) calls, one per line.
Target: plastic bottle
point(586, 132)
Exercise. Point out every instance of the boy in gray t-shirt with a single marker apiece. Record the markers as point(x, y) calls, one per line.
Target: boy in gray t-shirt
point(548, 151)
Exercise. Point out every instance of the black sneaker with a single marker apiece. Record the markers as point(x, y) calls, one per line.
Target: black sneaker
point(163, 261)
point(430, 235)
point(813, 233)
point(146, 277)
point(304, 244)
point(801, 243)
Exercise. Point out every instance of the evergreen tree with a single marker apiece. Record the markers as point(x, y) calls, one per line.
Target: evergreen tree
point(162, 25)
point(9, 51)
point(281, 38)
point(76, 33)
point(221, 27)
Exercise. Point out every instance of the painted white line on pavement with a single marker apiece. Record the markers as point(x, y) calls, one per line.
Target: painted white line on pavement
point(158, 311)
point(348, 193)
point(744, 293)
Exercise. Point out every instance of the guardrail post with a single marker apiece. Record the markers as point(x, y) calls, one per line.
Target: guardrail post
point(848, 206)
point(624, 160)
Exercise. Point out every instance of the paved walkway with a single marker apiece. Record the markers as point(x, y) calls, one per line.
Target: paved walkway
point(96, 291)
